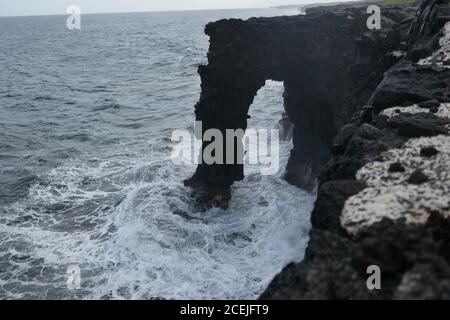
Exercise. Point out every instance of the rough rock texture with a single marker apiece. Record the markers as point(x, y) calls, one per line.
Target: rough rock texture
point(400, 220)
point(330, 64)
point(424, 74)
point(371, 114)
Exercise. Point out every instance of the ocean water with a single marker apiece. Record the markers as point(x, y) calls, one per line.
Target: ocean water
point(86, 179)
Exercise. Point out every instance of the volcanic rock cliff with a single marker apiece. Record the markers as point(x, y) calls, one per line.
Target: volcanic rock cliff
point(330, 64)
point(371, 110)
point(384, 196)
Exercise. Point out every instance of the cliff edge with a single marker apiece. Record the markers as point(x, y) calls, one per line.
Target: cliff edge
point(384, 196)
point(371, 113)
point(330, 64)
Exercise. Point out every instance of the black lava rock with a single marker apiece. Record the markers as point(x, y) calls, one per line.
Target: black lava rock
point(428, 151)
point(419, 125)
point(328, 77)
point(432, 105)
point(418, 177)
point(368, 132)
point(342, 139)
point(331, 200)
point(414, 258)
point(396, 167)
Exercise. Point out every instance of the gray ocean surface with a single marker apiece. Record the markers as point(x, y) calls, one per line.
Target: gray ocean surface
point(86, 177)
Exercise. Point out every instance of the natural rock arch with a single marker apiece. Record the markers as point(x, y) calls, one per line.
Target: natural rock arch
point(326, 73)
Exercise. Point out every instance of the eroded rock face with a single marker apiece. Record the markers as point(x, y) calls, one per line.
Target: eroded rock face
point(370, 111)
point(424, 73)
point(413, 260)
point(330, 64)
point(399, 220)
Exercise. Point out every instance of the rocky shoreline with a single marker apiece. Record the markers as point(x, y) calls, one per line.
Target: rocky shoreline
point(371, 110)
point(384, 198)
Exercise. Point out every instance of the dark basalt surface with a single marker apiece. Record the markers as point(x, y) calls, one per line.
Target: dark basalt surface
point(338, 77)
point(414, 259)
point(330, 64)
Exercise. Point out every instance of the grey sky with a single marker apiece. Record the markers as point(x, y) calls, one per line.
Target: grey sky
point(38, 7)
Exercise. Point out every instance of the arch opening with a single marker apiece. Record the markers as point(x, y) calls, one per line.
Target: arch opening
point(268, 128)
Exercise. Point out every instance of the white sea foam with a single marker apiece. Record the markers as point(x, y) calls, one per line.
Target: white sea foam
point(132, 227)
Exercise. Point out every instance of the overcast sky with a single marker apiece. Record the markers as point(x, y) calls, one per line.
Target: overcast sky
point(39, 7)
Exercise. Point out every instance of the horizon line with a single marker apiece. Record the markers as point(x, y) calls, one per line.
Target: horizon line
point(150, 11)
